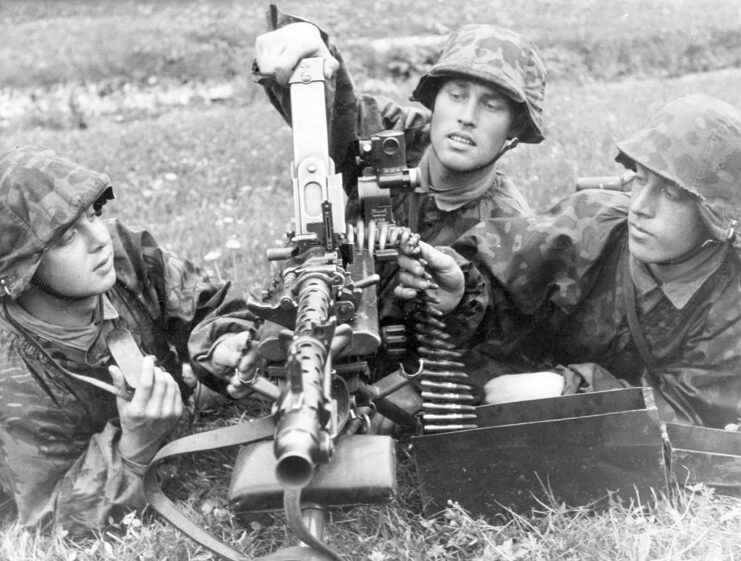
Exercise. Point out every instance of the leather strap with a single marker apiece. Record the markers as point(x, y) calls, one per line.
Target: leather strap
point(634, 325)
point(243, 433)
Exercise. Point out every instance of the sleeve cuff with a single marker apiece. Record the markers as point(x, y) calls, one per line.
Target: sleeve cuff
point(463, 322)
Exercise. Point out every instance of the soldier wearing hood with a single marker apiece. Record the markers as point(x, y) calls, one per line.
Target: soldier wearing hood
point(71, 452)
point(609, 289)
point(483, 96)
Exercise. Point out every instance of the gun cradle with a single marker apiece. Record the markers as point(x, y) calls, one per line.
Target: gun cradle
point(356, 307)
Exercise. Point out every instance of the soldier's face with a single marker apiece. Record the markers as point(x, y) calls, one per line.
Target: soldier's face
point(664, 223)
point(470, 123)
point(80, 264)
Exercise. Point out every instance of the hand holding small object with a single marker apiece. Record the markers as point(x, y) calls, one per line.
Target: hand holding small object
point(153, 412)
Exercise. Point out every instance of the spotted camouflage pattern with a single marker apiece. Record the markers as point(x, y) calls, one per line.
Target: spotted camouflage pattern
point(695, 142)
point(59, 459)
point(41, 195)
point(496, 56)
point(555, 297)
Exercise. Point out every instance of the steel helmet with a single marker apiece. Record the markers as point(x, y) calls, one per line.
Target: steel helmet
point(41, 195)
point(695, 142)
point(496, 56)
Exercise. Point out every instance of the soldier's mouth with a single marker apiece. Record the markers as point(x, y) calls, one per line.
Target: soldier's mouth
point(638, 232)
point(463, 139)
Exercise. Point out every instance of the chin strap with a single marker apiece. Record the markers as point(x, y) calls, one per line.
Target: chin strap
point(508, 145)
point(43, 287)
point(690, 254)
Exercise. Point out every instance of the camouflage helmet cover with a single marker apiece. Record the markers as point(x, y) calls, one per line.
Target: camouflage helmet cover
point(495, 56)
point(41, 195)
point(695, 142)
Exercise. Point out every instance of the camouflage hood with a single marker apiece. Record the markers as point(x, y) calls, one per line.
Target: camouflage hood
point(495, 56)
point(695, 142)
point(41, 195)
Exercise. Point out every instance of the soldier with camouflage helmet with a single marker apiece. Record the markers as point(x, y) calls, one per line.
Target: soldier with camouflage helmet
point(71, 452)
point(483, 96)
point(610, 289)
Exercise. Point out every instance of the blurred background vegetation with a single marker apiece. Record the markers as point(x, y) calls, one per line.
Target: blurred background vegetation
point(158, 94)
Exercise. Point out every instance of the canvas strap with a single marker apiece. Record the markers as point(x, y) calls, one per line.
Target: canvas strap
point(235, 435)
point(634, 325)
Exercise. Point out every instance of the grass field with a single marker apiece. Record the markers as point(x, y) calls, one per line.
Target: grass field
point(158, 95)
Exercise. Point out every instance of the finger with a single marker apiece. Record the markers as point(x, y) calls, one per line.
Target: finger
point(173, 401)
point(117, 377)
point(404, 247)
point(157, 401)
point(403, 293)
point(411, 266)
point(265, 53)
point(285, 63)
point(331, 65)
point(229, 351)
point(143, 391)
point(249, 363)
point(238, 391)
point(292, 52)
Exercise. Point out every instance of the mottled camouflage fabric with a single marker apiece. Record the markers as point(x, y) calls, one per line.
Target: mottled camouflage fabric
point(695, 142)
point(497, 56)
point(59, 459)
point(41, 194)
point(555, 297)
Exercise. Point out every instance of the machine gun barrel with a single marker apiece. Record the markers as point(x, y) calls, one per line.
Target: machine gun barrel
point(301, 438)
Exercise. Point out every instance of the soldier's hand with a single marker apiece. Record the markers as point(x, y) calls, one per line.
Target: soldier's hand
point(278, 52)
point(422, 267)
point(228, 352)
point(240, 384)
point(152, 413)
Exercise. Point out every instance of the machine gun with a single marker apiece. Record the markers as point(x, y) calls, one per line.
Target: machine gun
point(320, 331)
point(321, 327)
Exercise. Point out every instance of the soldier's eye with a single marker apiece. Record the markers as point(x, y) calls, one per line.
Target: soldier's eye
point(455, 90)
point(494, 105)
point(67, 238)
point(674, 193)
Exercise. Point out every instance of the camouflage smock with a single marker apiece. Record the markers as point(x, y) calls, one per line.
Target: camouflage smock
point(556, 297)
point(354, 115)
point(59, 457)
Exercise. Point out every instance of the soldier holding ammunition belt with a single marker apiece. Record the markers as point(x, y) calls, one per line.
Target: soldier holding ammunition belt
point(609, 289)
point(484, 95)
